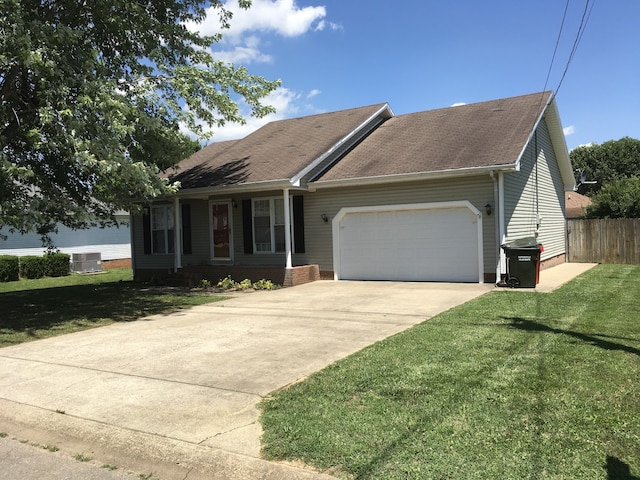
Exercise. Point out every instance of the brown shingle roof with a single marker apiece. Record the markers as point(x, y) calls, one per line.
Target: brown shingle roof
point(461, 137)
point(576, 204)
point(277, 151)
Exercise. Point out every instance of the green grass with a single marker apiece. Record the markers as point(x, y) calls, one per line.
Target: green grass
point(35, 309)
point(511, 385)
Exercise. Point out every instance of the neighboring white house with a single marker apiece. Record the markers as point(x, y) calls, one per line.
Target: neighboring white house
point(113, 243)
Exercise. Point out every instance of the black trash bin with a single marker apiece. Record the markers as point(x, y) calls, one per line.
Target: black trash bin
point(523, 262)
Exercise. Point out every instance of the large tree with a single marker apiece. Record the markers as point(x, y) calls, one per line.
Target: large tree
point(94, 95)
point(618, 199)
point(607, 162)
point(612, 170)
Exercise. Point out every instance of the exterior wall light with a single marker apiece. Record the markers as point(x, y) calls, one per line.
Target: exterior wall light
point(488, 208)
point(324, 217)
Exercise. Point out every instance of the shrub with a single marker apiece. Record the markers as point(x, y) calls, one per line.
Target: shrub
point(244, 284)
point(9, 268)
point(33, 267)
point(204, 283)
point(263, 284)
point(227, 283)
point(58, 264)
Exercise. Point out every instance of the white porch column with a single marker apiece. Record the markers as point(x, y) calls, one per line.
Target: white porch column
point(287, 227)
point(177, 229)
point(502, 233)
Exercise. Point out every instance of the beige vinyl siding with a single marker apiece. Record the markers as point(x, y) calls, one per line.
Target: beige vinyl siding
point(140, 260)
point(199, 240)
point(318, 234)
point(478, 190)
point(536, 190)
point(259, 259)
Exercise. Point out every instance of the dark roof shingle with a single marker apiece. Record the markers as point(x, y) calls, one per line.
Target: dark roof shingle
point(461, 137)
point(277, 151)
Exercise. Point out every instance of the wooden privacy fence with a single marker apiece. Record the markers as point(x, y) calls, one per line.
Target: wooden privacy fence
point(604, 241)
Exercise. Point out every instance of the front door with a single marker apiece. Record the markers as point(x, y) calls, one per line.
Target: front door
point(221, 238)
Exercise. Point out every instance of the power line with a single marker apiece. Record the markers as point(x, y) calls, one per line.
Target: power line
point(586, 14)
point(555, 50)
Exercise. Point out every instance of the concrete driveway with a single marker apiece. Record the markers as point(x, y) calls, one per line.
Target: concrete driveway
point(177, 394)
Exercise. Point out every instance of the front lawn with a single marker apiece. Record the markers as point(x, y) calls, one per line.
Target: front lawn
point(512, 385)
point(34, 309)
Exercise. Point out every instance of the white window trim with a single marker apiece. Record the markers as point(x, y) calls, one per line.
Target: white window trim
point(167, 236)
point(272, 224)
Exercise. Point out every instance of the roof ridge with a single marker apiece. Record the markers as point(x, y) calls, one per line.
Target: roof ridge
point(542, 94)
point(363, 107)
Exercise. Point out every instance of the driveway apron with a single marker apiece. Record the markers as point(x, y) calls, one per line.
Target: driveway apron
point(181, 389)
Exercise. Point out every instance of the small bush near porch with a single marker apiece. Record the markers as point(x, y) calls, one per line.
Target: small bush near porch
point(511, 385)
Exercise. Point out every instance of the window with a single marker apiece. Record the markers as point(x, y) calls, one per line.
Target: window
point(162, 229)
point(268, 225)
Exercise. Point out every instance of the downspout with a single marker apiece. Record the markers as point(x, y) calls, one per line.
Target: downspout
point(496, 222)
point(177, 229)
point(287, 228)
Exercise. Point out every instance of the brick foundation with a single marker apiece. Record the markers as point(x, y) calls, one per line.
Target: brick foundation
point(552, 262)
point(192, 276)
point(326, 274)
point(120, 263)
point(299, 275)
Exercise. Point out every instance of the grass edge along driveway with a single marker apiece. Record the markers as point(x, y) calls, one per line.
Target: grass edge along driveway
point(510, 385)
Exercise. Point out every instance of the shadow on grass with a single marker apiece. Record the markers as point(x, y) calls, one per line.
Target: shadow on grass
point(596, 340)
point(30, 311)
point(618, 470)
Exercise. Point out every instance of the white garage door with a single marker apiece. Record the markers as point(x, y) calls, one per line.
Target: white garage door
point(428, 242)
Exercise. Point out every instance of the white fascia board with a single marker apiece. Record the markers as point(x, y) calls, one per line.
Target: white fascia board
point(353, 135)
point(532, 133)
point(409, 177)
point(550, 112)
point(560, 146)
point(205, 192)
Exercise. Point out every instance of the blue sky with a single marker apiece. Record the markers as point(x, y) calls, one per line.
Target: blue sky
point(424, 54)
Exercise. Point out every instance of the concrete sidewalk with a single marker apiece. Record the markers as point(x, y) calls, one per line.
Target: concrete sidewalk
point(553, 278)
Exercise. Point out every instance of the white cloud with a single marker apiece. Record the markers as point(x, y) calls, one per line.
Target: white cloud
point(242, 44)
point(458, 104)
point(244, 54)
point(323, 24)
point(280, 16)
point(570, 130)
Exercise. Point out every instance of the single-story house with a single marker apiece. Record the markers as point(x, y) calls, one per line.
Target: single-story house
point(364, 194)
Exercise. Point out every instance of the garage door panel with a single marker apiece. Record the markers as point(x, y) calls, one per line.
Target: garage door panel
point(409, 245)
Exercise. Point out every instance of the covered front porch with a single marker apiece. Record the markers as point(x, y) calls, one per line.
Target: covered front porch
point(243, 234)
